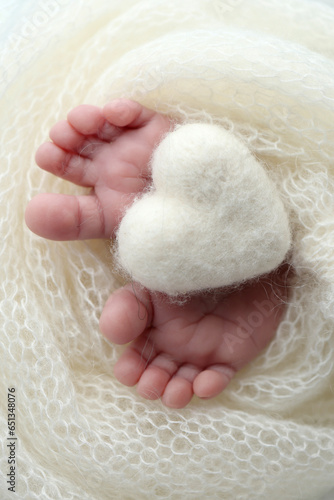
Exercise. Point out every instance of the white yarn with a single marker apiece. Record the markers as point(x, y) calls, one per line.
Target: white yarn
point(211, 219)
point(263, 70)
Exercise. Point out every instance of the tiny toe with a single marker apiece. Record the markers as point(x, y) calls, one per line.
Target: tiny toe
point(72, 167)
point(125, 112)
point(179, 390)
point(212, 381)
point(178, 393)
point(86, 119)
point(130, 367)
point(156, 377)
point(66, 137)
point(152, 383)
point(134, 361)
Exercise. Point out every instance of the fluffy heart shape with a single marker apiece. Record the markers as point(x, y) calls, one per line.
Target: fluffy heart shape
point(211, 218)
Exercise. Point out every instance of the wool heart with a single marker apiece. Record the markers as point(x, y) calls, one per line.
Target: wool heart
point(211, 218)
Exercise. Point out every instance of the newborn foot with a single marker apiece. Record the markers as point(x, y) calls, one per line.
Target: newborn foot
point(107, 150)
point(178, 351)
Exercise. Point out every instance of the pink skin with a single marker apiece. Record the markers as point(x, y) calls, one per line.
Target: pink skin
point(175, 351)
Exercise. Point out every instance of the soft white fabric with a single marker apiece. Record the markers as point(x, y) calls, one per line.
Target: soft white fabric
point(212, 217)
point(263, 70)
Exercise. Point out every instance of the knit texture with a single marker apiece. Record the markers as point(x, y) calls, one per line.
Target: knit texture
point(264, 71)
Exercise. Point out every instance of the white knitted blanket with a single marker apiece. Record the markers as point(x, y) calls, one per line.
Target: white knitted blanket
point(265, 70)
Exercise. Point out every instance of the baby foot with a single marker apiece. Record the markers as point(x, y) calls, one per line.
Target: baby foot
point(178, 351)
point(107, 150)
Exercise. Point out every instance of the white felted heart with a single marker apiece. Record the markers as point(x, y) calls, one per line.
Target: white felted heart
point(212, 217)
